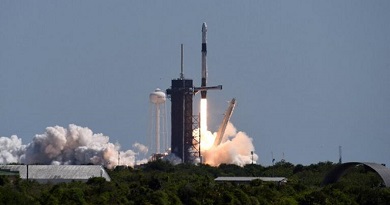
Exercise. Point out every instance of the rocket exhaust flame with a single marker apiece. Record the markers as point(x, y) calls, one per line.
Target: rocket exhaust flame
point(203, 115)
point(235, 148)
point(206, 137)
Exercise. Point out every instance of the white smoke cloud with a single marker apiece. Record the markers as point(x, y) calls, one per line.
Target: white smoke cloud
point(140, 148)
point(11, 149)
point(74, 145)
point(235, 148)
point(172, 158)
point(79, 145)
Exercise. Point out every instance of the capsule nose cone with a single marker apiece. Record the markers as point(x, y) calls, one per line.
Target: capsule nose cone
point(204, 27)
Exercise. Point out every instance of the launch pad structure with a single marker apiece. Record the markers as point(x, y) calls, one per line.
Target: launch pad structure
point(182, 140)
point(184, 144)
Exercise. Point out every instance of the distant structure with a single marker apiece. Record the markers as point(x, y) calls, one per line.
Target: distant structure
point(246, 180)
point(334, 175)
point(57, 173)
point(158, 122)
point(340, 156)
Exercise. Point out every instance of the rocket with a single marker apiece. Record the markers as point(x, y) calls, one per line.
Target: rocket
point(204, 60)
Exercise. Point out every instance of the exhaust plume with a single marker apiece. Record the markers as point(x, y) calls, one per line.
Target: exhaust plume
point(235, 148)
point(73, 145)
point(11, 149)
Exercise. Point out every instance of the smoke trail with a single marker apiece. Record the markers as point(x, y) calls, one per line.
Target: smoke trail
point(74, 145)
point(235, 148)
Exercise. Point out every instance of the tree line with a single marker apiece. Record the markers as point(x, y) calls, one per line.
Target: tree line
point(160, 182)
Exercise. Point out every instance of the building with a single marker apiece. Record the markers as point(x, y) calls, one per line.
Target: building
point(57, 173)
point(240, 180)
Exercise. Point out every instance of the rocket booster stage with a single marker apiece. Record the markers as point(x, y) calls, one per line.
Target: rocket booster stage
point(204, 60)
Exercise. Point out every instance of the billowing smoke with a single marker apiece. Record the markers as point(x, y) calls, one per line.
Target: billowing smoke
point(79, 145)
point(235, 148)
point(74, 145)
point(11, 149)
point(140, 148)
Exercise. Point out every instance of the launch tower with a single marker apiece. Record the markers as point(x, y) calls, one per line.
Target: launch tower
point(183, 144)
point(181, 95)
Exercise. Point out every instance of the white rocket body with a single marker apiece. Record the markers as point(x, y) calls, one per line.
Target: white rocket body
point(204, 59)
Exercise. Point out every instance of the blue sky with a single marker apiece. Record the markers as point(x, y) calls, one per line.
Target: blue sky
point(308, 76)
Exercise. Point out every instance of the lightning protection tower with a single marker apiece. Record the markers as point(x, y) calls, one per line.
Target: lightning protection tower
point(158, 122)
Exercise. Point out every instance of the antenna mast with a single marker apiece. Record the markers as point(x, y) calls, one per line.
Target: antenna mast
point(181, 62)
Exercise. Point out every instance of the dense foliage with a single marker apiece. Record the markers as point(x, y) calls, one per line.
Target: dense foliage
point(160, 182)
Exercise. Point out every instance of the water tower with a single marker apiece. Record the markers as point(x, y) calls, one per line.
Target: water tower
point(158, 125)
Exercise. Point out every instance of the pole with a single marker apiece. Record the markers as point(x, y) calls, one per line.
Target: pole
point(157, 128)
point(252, 156)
